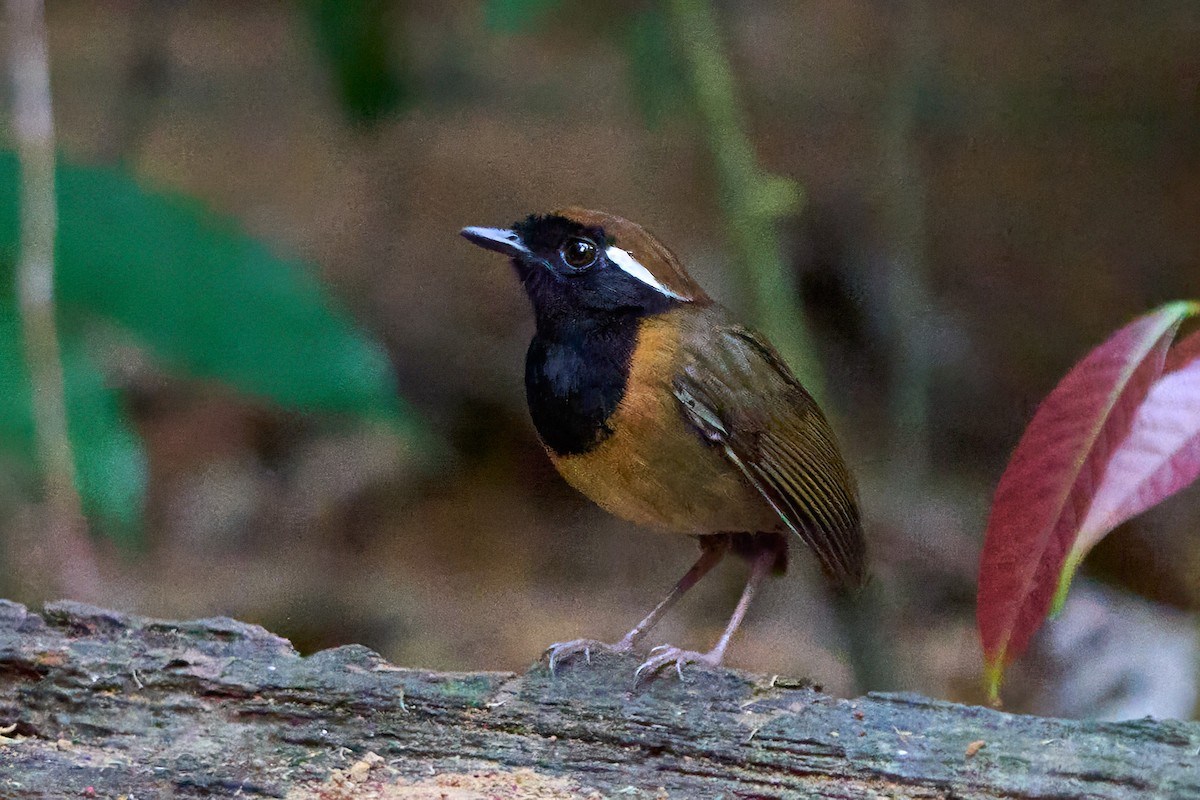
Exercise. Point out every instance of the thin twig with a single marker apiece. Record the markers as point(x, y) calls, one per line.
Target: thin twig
point(754, 201)
point(33, 123)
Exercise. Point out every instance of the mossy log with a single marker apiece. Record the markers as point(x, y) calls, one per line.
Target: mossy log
point(97, 703)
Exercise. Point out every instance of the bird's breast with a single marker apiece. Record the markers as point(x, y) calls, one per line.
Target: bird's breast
point(575, 378)
point(650, 466)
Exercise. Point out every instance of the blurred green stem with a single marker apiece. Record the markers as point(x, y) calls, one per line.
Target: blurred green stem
point(903, 194)
point(753, 200)
point(33, 121)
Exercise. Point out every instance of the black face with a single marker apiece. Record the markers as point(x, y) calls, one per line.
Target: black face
point(588, 313)
point(567, 272)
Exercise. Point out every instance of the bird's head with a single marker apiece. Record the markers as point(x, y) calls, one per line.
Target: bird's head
point(575, 262)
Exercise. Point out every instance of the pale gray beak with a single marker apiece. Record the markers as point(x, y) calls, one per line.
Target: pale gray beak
point(501, 240)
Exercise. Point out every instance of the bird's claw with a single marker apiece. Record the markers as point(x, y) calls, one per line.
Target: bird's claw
point(561, 651)
point(666, 654)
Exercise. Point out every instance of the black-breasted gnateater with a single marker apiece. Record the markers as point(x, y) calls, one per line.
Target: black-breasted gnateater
point(657, 404)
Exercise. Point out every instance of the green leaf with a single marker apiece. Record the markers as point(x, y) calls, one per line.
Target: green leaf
point(205, 297)
point(516, 16)
point(110, 465)
point(357, 39)
point(16, 421)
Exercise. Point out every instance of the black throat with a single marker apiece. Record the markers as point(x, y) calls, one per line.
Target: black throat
point(576, 371)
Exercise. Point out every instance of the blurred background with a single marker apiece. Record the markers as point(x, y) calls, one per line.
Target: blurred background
point(295, 395)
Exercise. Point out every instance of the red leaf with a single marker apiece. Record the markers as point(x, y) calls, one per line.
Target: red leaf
point(1183, 354)
point(1160, 456)
point(1052, 477)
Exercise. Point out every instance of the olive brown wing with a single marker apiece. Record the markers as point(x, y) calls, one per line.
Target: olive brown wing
point(737, 392)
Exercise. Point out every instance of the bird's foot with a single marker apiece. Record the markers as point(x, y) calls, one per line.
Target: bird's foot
point(665, 654)
point(562, 651)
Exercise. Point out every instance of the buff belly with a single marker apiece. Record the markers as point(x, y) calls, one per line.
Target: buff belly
point(653, 470)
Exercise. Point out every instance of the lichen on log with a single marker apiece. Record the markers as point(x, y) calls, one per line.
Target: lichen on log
point(97, 702)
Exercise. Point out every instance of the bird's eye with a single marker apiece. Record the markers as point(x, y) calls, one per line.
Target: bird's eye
point(579, 253)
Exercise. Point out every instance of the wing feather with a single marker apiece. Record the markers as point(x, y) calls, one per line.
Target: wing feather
point(740, 396)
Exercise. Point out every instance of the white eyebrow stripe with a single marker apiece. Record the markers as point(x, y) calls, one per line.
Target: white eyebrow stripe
point(631, 266)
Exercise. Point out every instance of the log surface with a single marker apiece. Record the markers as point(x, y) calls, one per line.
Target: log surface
point(97, 703)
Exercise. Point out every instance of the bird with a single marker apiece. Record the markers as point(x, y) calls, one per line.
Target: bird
point(656, 403)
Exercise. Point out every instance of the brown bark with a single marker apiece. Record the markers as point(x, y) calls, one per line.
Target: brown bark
point(148, 708)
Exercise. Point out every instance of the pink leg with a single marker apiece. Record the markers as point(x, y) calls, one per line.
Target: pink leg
point(666, 654)
point(709, 558)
